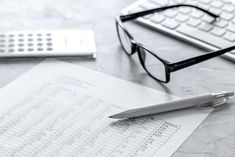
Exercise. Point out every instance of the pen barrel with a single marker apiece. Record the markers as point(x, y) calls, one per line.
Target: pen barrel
point(170, 106)
point(174, 105)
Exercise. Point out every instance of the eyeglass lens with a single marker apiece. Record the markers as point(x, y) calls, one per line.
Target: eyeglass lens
point(124, 39)
point(153, 65)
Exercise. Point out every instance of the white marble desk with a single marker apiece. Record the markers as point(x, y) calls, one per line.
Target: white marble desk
point(215, 137)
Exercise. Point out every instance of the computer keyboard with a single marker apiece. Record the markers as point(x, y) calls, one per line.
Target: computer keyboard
point(190, 24)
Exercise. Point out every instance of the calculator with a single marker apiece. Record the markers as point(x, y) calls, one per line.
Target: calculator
point(53, 43)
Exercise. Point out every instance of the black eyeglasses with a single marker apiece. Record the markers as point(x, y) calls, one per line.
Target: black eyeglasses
point(159, 68)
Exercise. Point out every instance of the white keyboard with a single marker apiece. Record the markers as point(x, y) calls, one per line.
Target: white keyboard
point(192, 25)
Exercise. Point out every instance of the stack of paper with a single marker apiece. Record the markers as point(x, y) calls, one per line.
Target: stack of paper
point(58, 109)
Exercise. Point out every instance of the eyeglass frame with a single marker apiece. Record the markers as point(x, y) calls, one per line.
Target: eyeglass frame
point(169, 67)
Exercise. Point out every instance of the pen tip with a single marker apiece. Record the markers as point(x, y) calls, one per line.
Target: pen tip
point(110, 116)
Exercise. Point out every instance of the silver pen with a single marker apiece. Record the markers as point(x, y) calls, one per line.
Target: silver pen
point(199, 101)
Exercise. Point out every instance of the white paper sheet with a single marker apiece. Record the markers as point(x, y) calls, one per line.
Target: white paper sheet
point(59, 109)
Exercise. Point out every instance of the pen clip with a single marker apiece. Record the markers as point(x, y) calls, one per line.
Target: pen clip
point(214, 103)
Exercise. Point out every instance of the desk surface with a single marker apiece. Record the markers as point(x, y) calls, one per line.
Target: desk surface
point(215, 137)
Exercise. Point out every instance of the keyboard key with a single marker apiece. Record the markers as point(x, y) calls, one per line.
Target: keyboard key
point(215, 10)
point(197, 13)
point(203, 5)
point(229, 36)
point(193, 2)
point(218, 31)
point(206, 27)
point(221, 23)
point(182, 18)
point(205, 1)
point(217, 4)
point(171, 2)
point(146, 6)
point(203, 36)
point(137, 9)
point(179, 1)
point(231, 27)
point(207, 18)
point(157, 18)
point(170, 23)
point(185, 10)
point(161, 2)
point(193, 22)
point(228, 8)
point(170, 13)
point(149, 5)
point(147, 16)
point(227, 1)
point(226, 16)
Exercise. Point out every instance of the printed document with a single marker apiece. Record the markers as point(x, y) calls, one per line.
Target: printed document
point(59, 109)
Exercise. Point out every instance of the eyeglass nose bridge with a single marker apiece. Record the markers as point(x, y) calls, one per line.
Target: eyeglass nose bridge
point(134, 47)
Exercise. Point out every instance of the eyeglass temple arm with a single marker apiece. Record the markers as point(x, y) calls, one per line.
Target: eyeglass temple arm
point(143, 13)
point(198, 59)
